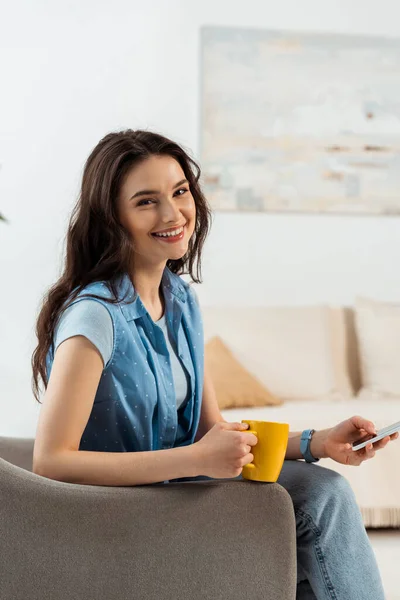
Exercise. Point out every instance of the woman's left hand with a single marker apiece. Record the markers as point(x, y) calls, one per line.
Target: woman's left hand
point(338, 441)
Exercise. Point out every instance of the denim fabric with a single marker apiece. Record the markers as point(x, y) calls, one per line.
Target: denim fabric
point(92, 320)
point(335, 560)
point(135, 404)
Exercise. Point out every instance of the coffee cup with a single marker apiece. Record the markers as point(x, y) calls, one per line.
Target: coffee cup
point(269, 452)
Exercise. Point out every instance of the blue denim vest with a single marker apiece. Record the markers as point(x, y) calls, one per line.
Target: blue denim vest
point(135, 408)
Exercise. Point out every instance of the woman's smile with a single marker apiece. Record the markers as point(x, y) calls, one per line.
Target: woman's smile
point(170, 236)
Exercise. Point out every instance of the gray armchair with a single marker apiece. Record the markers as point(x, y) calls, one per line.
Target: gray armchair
point(215, 539)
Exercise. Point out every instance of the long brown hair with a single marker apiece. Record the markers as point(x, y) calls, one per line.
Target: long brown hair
point(98, 248)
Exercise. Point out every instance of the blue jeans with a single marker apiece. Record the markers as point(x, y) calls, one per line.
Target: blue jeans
point(335, 560)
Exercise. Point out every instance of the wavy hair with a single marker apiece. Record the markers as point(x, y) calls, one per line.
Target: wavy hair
point(98, 247)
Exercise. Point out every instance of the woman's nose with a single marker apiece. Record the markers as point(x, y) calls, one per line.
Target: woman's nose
point(169, 211)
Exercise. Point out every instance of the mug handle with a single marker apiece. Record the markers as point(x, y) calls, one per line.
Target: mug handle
point(250, 465)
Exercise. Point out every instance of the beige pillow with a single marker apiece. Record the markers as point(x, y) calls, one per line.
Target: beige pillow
point(378, 333)
point(234, 385)
point(298, 352)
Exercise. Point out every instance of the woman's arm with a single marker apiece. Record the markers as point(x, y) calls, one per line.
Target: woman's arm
point(317, 448)
point(336, 442)
point(66, 408)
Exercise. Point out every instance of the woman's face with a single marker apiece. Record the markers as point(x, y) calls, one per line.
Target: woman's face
point(157, 208)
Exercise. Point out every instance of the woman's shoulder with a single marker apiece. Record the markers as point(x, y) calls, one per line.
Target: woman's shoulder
point(99, 292)
point(85, 310)
point(88, 309)
point(88, 318)
point(187, 286)
point(88, 314)
point(97, 288)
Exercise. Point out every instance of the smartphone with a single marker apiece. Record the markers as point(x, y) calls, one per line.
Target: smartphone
point(369, 438)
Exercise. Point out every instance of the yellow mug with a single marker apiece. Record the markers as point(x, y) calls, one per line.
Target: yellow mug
point(269, 452)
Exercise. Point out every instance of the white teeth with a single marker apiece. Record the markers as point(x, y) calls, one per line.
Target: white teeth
point(170, 233)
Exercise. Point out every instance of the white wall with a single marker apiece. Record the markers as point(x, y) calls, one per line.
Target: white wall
point(71, 71)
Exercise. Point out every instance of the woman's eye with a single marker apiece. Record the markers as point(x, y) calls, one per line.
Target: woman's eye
point(184, 190)
point(147, 201)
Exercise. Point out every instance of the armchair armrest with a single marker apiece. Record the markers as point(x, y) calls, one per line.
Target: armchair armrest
point(215, 539)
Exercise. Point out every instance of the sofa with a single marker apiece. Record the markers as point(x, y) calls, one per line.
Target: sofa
point(325, 364)
point(187, 540)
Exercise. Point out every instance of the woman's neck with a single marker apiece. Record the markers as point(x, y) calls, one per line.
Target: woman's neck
point(147, 283)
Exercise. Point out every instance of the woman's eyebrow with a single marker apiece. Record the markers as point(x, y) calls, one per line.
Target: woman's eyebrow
point(145, 192)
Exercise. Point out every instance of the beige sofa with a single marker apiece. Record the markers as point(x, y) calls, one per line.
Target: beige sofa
point(328, 364)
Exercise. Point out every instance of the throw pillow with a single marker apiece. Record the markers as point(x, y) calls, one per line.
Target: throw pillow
point(297, 352)
point(234, 385)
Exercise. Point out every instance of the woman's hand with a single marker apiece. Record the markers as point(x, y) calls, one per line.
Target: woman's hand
point(338, 441)
point(225, 450)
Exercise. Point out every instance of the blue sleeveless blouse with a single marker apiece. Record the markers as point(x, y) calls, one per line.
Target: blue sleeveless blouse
point(135, 406)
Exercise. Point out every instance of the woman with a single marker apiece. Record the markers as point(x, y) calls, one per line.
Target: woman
point(121, 354)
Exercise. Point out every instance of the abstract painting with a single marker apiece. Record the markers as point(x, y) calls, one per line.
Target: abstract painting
point(294, 122)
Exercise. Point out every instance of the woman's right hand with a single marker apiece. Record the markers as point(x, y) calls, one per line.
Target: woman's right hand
point(225, 449)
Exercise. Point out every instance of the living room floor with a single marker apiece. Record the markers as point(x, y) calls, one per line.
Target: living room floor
point(386, 545)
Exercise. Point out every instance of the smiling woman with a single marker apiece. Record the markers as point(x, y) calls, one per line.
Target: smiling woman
point(140, 211)
point(121, 352)
point(120, 339)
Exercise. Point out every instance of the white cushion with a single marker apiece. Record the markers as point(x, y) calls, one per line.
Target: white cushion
point(378, 332)
point(296, 352)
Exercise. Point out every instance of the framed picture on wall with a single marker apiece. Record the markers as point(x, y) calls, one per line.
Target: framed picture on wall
point(294, 122)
